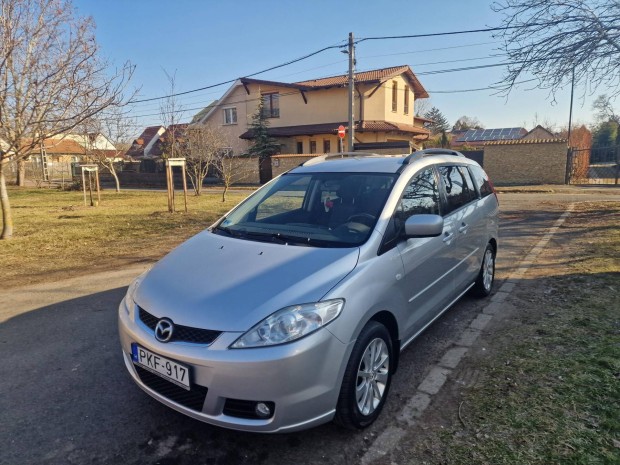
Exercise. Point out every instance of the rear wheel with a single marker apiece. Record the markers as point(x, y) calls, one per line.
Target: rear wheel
point(486, 276)
point(367, 378)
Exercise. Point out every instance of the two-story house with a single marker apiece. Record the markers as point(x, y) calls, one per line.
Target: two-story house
point(304, 116)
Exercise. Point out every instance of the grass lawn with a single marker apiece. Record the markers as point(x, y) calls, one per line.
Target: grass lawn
point(547, 387)
point(56, 235)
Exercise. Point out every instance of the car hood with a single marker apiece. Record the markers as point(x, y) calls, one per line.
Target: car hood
point(228, 284)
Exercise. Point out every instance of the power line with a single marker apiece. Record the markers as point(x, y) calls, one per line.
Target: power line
point(469, 31)
point(230, 81)
point(459, 91)
point(154, 106)
point(412, 36)
point(428, 50)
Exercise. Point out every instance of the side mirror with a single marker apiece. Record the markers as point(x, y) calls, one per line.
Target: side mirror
point(423, 225)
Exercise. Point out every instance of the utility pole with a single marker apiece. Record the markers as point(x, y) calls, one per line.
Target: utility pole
point(351, 135)
point(570, 114)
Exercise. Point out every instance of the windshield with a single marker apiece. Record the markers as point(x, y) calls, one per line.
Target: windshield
point(314, 209)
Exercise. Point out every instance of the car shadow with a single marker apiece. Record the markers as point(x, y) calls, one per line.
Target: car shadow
point(66, 397)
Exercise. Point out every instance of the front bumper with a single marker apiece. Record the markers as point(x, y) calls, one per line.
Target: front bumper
point(302, 378)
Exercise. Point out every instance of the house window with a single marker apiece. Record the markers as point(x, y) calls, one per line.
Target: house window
point(406, 100)
point(271, 105)
point(230, 115)
point(326, 146)
point(312, 146)
point(300, 147)
point(394, 95)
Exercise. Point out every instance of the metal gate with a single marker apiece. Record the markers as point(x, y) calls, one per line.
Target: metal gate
point(597, 165)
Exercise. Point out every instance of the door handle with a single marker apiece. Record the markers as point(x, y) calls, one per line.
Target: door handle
point(448, 237)
point(463, 228)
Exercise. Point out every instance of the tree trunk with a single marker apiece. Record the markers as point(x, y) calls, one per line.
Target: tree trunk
point(21, 173)
point(7, 219)
point(118, 184)
point(110, 167)
point(224, 192)
point(194, 185)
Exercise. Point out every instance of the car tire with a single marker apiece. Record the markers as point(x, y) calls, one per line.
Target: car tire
point(366, 379)
point(486, 276)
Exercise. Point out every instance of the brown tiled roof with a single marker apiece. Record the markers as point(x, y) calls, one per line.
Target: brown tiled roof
point(62, 147)
point(369, 77)
point(137, 148)
point(373, 76)
point(294, 85)
point(526, 141)
point(332, 128)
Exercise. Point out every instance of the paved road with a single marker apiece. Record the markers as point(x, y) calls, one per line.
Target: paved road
point(65, 396)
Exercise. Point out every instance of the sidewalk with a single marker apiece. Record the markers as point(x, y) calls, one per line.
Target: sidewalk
point(18, 300)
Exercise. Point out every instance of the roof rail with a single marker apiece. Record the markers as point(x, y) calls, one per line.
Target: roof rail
point(334, 156)
point(430, 152)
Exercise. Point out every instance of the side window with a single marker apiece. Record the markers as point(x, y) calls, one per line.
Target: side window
point(458, 186)
point(481, 180)
point(468, 185)
point(420, 196)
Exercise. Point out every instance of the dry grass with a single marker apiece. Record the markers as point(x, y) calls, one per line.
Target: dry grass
point(549, 385)
point(56, 235)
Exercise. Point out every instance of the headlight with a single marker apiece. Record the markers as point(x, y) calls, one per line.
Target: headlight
point(290, 323)
point(130, 303)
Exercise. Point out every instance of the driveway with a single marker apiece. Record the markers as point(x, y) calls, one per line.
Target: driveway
point(65, 396)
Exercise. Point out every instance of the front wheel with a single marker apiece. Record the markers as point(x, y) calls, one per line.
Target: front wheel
point(486, 275)
point(366, 379)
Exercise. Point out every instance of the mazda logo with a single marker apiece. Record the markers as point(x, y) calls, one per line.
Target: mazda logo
point(164, 330)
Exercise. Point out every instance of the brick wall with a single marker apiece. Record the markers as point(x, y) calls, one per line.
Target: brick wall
point(283, 163)
point(526, 162)
point(246, 170)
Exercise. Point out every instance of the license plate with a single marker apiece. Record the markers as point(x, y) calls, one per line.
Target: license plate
point(166, 368)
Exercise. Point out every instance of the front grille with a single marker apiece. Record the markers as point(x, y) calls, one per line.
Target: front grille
point(181, 333)
point(192, 399)
point(245, 409)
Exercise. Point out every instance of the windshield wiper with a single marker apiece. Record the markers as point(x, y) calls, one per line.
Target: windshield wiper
point(277, 237)
point(228, 231)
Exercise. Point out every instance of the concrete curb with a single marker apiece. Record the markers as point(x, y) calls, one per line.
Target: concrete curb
point(441, 371)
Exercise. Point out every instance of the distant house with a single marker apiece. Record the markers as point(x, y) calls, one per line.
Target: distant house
point(4, 147)
point(153, 141)
point(143, 145)
point(304, 116)
point(479, 137)
point(62, 150)
point(540, 133)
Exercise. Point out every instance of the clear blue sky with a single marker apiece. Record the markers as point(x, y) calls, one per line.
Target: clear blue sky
point(210, 41)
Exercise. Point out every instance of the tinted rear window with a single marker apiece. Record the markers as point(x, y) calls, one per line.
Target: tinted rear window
point(482, 180)
point(457, 184)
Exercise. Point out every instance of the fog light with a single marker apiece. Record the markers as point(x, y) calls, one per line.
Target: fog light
point(262, 410)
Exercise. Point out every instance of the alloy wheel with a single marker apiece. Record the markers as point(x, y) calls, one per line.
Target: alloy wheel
point(372, 376)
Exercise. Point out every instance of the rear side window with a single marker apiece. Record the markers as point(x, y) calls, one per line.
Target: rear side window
point(420, 196)
point(458, 186)
point(482, 180)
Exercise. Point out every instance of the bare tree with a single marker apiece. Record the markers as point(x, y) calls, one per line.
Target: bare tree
point(233, 169)
point(551, 39)
point(202, 145)
point(106, 138)
point(422, 106)
point(467, 122)
point(170, 111)
point(605, 110)
point(51, 80)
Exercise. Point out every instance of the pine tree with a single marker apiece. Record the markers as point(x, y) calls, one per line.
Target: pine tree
point(263, 146)
point(439, 122)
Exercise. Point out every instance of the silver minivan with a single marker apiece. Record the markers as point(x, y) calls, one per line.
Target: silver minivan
point(291, 310)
